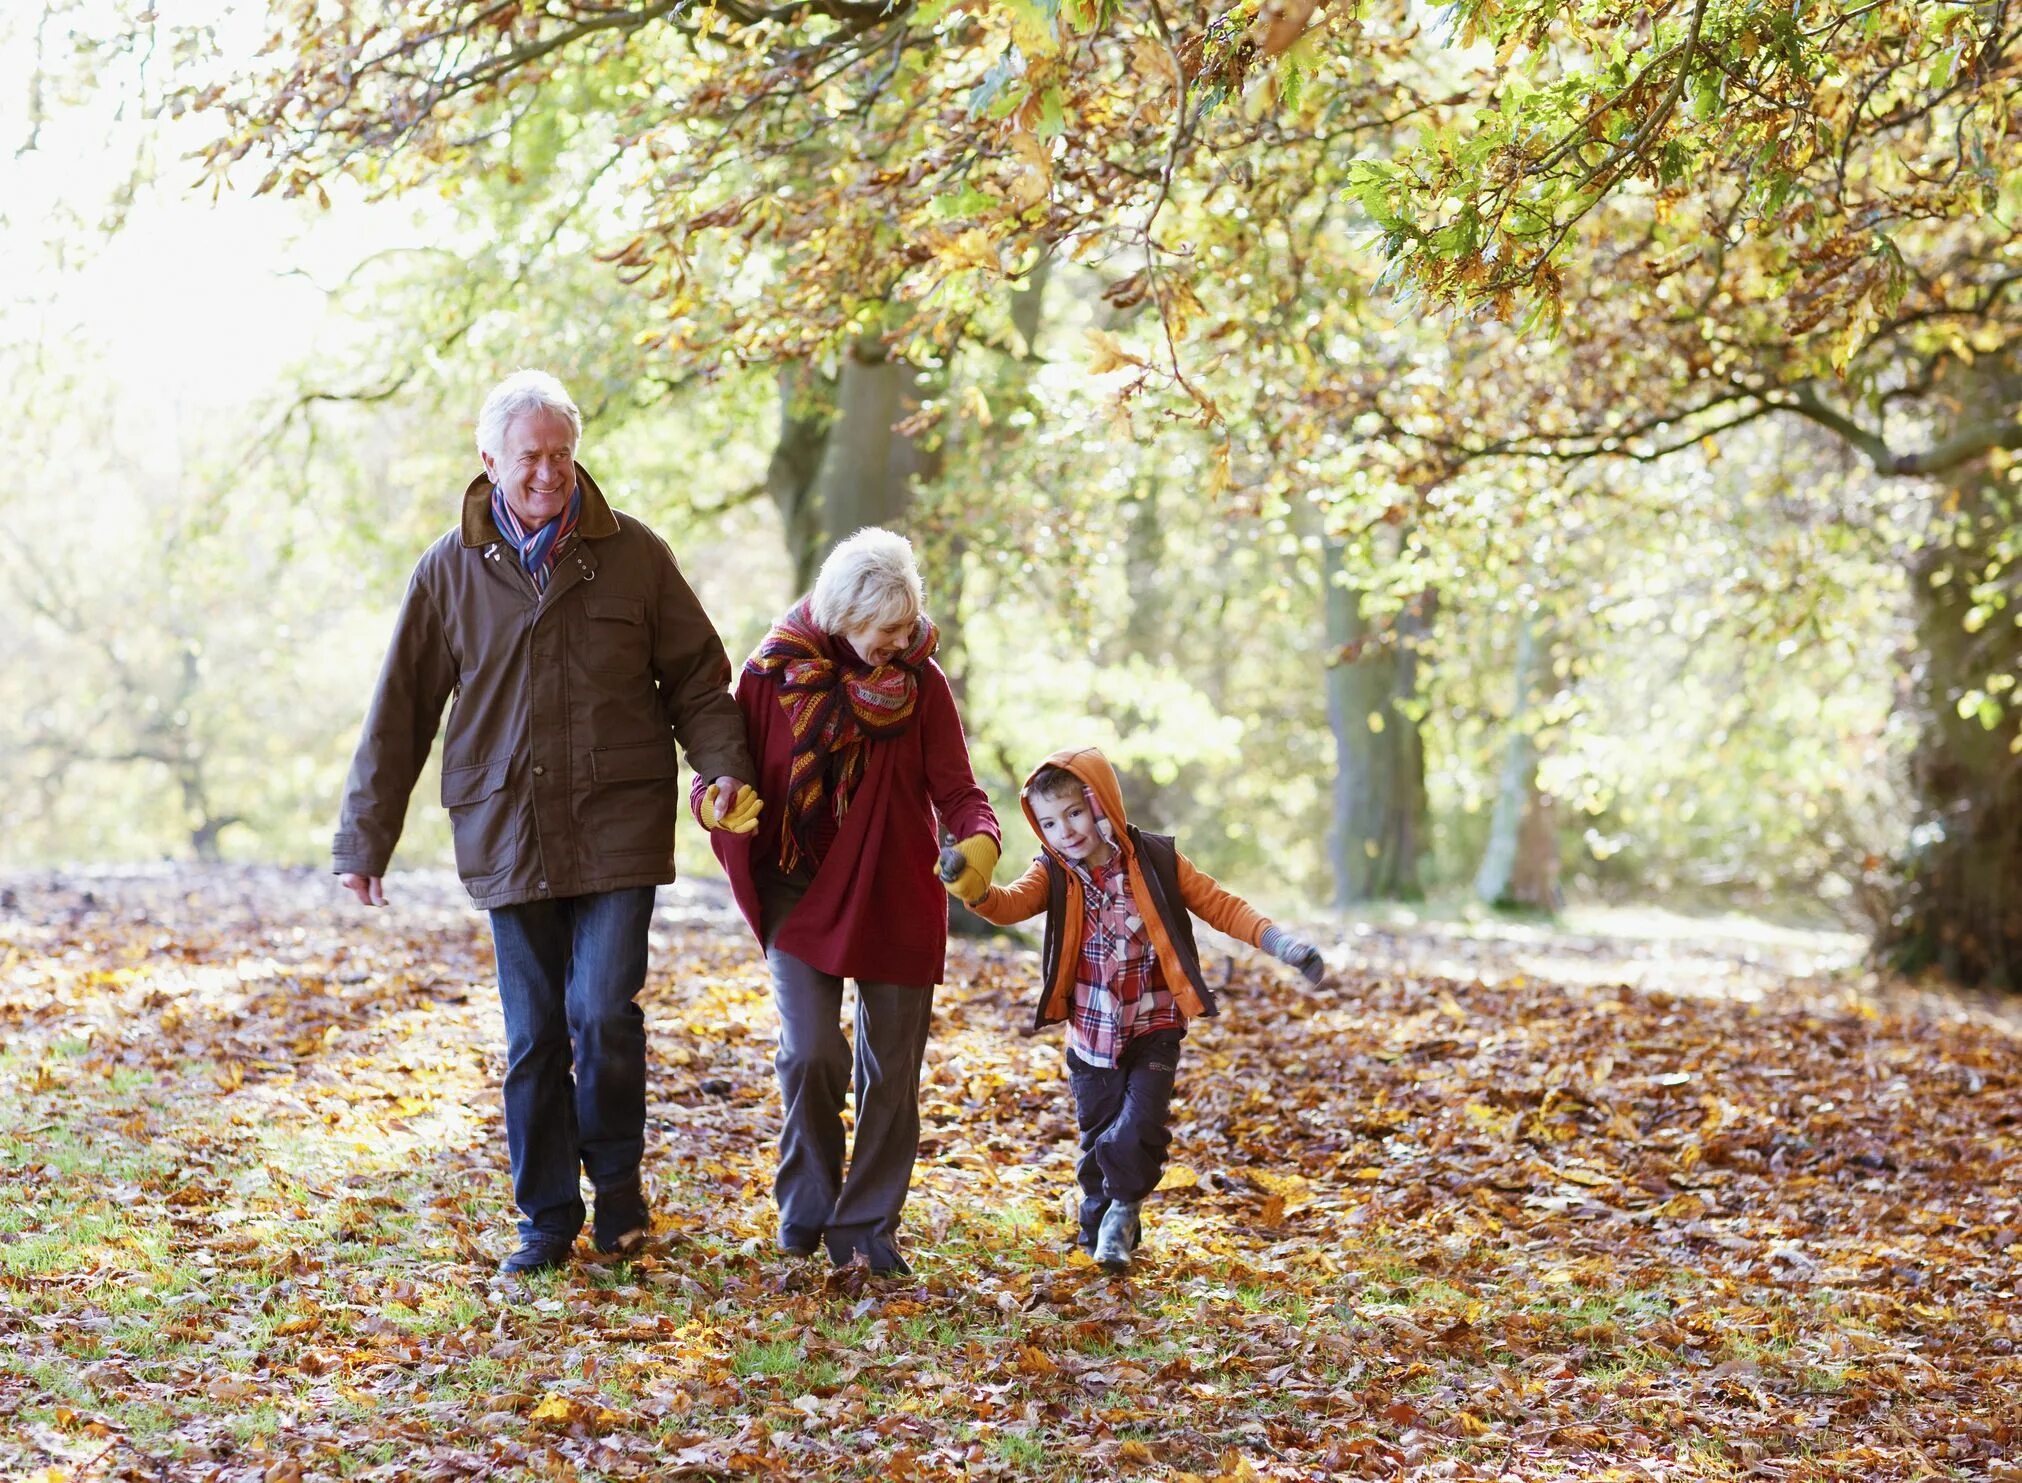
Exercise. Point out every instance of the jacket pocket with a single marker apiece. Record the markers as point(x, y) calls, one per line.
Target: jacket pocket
point(633, 801)
point(614, 638)
point(480, 816)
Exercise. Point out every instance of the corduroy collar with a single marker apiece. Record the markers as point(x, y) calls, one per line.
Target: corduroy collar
point(479, 529)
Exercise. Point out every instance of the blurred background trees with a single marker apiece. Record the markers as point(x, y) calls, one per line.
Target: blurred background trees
point(1524, 454)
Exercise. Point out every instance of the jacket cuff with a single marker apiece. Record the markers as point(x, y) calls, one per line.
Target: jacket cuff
point(351, 853)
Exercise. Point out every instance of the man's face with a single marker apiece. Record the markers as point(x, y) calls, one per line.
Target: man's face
point(881, 643)
point(536, 470)
point(1068, 824)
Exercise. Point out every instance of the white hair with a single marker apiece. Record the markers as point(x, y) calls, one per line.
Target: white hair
point(520, 393)
point(868, 579)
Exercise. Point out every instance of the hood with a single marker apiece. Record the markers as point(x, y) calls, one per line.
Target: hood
point(1088, 764)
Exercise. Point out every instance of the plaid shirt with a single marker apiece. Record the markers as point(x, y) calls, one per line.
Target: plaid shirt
point(1120, 992)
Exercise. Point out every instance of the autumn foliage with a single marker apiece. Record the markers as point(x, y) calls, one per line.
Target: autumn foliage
point(1472, 1210)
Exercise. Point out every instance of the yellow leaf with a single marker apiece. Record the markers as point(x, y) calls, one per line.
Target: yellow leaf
point(1109, 354)
point(553, 1408)
point(1289, 1185)
point(976, 405)
point(1033, 180)
point(1282, 22)
point(1153, 62)
point(970, 249)
point(1179, 1176)
point(1587, 1177)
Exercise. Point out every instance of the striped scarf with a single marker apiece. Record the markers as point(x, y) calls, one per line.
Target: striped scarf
point(538, 549)
point(834, 706)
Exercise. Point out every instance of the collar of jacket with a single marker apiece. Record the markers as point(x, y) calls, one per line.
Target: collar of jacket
point(479, 529)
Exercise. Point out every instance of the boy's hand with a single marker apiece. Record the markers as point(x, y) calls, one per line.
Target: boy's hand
point(1296, 952)
point(978, 856)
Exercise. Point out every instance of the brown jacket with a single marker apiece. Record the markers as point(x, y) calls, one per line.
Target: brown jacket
point(558, 767)
point(1163, 882)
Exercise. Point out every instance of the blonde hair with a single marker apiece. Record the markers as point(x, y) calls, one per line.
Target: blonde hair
point(520, 393)
point(869, 579)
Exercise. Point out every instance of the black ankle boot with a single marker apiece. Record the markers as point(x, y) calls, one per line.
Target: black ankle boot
point(539, 1252)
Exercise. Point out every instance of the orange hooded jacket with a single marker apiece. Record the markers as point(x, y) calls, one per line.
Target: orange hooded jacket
point(1156, 871)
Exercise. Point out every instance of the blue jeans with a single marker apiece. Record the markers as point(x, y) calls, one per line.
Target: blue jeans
point(568, 973)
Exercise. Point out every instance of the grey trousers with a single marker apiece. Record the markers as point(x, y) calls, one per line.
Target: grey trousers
point(816, 1066)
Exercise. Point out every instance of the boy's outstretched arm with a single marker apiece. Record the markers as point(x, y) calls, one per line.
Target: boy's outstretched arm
point(1221, 909)
point(1024, 897)
point(1225, 911)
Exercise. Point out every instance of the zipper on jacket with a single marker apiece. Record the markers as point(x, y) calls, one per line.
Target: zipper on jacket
point(493, 553)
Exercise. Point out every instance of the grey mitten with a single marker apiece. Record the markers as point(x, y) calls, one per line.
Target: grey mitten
point(1295, 952)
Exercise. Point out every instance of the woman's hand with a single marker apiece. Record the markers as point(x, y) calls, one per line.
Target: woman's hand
point(979, 858)
point(740, 816)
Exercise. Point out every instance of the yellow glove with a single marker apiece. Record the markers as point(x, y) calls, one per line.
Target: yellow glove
point(979, 858)
point(743, 815)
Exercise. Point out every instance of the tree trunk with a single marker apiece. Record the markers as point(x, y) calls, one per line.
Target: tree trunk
point(868, 466)
point(1379, 771)
point(1958, 906)
point(1534, 883)
point(806, 413)
point(1520, 866)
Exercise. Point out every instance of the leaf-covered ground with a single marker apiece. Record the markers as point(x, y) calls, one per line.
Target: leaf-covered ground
point(1442, 1218)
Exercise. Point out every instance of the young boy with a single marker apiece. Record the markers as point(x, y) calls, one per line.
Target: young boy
point(1120, 966)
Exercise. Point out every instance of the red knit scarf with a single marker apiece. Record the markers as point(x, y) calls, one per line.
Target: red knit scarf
point(834, 707)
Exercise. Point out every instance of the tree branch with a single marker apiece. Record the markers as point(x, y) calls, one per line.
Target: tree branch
point(1965, 444)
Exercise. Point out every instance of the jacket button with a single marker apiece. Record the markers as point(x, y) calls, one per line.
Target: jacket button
point(540, 885)
point(540, 771)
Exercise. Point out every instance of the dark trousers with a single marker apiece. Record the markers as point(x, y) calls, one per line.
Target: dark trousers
point(569, 972)
point(817, 1064)
point(1122, 1111)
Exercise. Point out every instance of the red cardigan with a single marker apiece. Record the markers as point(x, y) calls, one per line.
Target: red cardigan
point(875, 911)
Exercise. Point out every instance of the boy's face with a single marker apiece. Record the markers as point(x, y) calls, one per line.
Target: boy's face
point(1068, 824)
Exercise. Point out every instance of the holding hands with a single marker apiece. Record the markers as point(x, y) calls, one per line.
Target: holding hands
point(730, 805)
point(966, 867)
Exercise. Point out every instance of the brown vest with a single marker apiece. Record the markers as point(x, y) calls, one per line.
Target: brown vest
point(1160, 858)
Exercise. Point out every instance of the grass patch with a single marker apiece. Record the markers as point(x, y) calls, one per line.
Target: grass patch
point(1019, 1449)
point(766, 1357)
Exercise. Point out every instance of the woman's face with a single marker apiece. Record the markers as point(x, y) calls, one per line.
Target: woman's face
point(881, 643)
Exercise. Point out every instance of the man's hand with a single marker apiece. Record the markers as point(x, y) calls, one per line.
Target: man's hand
point(732, 806)
point(369, 889)
point(979, 858)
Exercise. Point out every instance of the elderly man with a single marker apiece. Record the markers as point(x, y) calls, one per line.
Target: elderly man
point(578, 657)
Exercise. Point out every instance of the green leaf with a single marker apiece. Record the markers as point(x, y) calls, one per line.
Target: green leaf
point(957, 205)
point(1052, 113)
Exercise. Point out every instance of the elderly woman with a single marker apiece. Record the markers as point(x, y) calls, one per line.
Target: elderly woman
point(860, 754)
